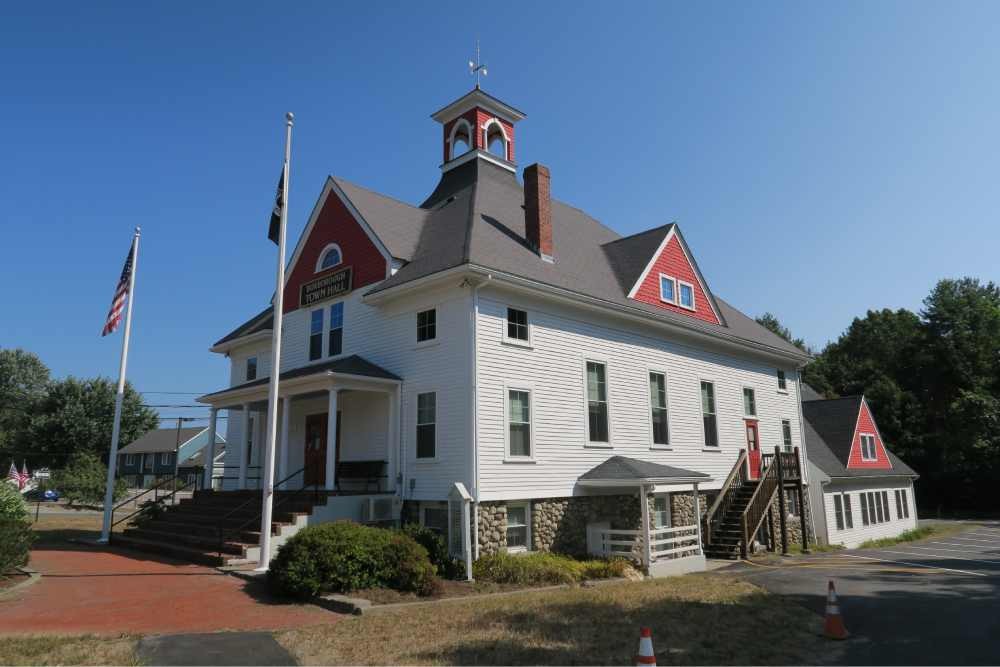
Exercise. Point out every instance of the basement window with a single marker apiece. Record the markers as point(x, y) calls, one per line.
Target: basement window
point(518, 526)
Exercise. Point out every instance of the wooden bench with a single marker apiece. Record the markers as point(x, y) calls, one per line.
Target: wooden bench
point(370, 472)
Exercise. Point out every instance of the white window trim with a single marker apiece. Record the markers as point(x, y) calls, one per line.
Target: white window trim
point(587, 442)
point(469, 132)
point(527, 520)
point(845, 502)
point(503, 133)
point(649, 414)
point(327, 331)
point(659, 288)
point(776, 380)
point(694, 299)
point(507, 340)
point(246, 368)
point(743, 405)
point(861, 443)
point(166, 458)
point(437, 422)
point(322, 335)
point(791, 433)
point(701, 414)
point(130, 459)
point(322, 255)
point(670, 511)
point(507, 456)
point(431, 342)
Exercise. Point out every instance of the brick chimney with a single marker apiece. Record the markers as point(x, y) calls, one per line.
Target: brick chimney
point(538, 210)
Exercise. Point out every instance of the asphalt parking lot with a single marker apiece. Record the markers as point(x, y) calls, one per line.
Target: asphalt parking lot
point(932, 602)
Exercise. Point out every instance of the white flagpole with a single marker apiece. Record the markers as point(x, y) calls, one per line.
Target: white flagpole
point(109, 490)
point(272, 387)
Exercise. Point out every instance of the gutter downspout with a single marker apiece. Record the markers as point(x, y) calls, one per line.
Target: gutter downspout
point(474, 397)
point(805, 454)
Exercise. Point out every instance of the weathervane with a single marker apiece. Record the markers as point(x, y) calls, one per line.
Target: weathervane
point(477, 67)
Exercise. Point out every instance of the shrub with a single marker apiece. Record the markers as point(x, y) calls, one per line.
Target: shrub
point(343, 556)
point(545, 568)
point(16, 538)
point(437, 549)
point(83, 480)
point(12, 503)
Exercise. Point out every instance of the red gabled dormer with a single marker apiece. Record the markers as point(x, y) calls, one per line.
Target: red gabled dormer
point(671, 281)
point(867, 450)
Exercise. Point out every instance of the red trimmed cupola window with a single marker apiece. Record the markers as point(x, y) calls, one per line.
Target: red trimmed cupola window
point(670, 282)
point(867, 450)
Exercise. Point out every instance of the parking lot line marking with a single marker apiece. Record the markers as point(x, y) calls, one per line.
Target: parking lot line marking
point(930, 567)
point(959, 551)
point(971, 560)
point(956, 544)
point(974, 542)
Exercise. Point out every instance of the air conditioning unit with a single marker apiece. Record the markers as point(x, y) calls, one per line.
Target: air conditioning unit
point(375, 510)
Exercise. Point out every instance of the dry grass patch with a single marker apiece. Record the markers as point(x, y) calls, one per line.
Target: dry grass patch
point(915, 534)
point(696, 619)
point(58, 528)
point(84, 650)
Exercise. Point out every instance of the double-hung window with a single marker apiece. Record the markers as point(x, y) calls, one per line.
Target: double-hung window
point(749, 402)
point(782, 381)
point(686, 293)
point(316, 335)
point(517, 325)
point(899, 505)
point(130, 459)
point(519, 423)
point(848, 515)
point(906, 505)
point(166, 458)
point(661, 511)
point(426, 325)
point(879, 509)
point(708, 417)
point(658, 408)
point(668, 289)
point(518, 526)
point(597, 402)
point(426, 425)
point(147, 461)
point(251, 370)
point(838, 511)
point(786, 434)
point(867, 447)
point(885, 505)
point(865, 519)
point(336, 329)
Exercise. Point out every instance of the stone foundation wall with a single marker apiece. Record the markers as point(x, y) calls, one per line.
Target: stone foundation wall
point(793, 523)
point(560, 524)
point(492, 527)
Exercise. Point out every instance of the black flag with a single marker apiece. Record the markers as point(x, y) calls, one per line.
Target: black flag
point(279, 201)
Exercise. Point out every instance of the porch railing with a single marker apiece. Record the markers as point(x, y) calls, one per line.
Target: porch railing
point(791, 470)
point(738, 476)
point(253, 473)
point(756, 509)
point(609, 542)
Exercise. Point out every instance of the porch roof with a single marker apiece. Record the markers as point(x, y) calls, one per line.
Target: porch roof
point(348, 366)
point(625, 471)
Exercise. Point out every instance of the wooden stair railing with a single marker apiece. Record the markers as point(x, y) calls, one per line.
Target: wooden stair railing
point(736, 479)
point(771, 481)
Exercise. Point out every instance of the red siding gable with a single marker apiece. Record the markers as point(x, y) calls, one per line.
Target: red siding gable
point(866, 424)
point(673, 262)
point(335, 224)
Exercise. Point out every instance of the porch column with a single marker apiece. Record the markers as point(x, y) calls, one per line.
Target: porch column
point(697, 518)
point(241, 482)
point(647, 549)
point(331, 439)
point(286, 414)
point(209, 458)
point(392, 438)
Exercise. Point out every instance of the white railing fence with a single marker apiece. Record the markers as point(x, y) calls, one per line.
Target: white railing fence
point(677, 542)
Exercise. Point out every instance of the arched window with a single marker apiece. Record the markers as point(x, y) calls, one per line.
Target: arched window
point(330, 257)
point(496, 138)
point(461, 138)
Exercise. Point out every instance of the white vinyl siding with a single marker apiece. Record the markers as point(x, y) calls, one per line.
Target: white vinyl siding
point(564, 339)
point(865, 496)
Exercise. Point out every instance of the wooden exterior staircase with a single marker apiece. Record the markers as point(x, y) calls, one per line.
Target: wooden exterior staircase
point(739, 511)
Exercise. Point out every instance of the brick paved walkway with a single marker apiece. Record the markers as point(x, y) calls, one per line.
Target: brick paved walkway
point(106, 591)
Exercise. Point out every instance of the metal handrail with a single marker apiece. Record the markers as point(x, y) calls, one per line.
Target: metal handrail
point(723, 499)
point(222, 531)
point(154, 489)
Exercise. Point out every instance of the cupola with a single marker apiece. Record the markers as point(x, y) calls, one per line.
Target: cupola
point(478, 126)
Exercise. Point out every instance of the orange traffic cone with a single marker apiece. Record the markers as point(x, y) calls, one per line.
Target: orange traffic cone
point(645, 656)
point(833, 628)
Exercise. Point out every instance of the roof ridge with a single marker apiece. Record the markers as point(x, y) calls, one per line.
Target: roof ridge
point(665, 226)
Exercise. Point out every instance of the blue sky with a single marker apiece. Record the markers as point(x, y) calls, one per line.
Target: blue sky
point(821, 159)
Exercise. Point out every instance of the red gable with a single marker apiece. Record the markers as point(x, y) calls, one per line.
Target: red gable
point(672, 261)
point(334, 224)
point(866, 426)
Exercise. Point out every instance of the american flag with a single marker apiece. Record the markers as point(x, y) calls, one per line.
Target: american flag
point(16, 477)
point(118, 302)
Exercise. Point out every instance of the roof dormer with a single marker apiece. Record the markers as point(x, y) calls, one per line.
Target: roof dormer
point(478, 126)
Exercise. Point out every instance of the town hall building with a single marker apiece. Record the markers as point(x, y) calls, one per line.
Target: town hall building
point(496, 347)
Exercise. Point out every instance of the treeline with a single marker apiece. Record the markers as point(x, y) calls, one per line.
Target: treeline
point(44, 421)
point(933, 381)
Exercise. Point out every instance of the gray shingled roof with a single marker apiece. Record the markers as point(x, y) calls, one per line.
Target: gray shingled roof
point(625, 469)
point(262, 321)
point(352, 365)
point(475, 216)
point(829, 432)
point(161, 440)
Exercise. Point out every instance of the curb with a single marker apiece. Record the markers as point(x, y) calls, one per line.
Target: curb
point(34, 576)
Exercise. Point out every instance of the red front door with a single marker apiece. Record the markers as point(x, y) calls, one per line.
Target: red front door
point(753, 448)
point(315, 458)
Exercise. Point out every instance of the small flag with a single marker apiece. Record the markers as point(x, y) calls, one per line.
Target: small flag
point(274, 228)
point(25, 475)
point(118, 302)
point(15, 476)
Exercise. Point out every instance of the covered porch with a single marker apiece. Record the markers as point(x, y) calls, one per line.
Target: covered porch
point(337, 430)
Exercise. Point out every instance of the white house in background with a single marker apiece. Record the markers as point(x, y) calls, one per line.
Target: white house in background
point(499, 339)
point(860, 490)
